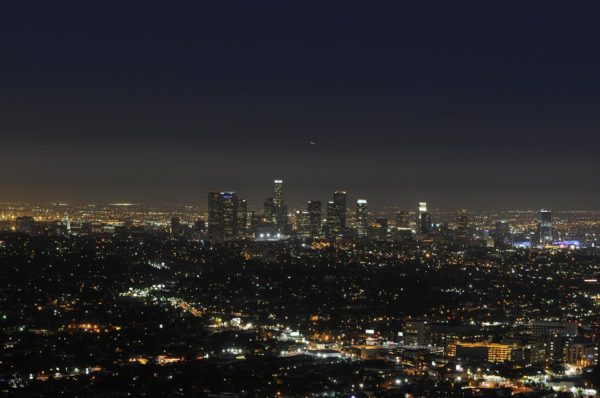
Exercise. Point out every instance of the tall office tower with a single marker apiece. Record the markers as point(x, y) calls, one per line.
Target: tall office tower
point(424, 221)
point(314, 215)
point(242, 216)
point(275, 207)
point(303, 223)
point(215, 216)
point(336, 213)
point(362, 219)
point(332, 225)
point(501, 234)
point(225, 214)
point(229, 202)
point(339, 198)
point(256, 220)
point(282, 218)
point(278, 193)
point(270, 211)
point(422, 208)
point(402, 219)
point(279, 203)
point(462, 228)
point(545, 227)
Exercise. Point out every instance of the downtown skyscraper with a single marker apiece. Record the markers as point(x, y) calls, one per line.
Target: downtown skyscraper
point(227, 216)
point(362, 218)
point(424, 219)
point(275, 208)
point(545, 227)
point(314, 216)
point(336, 213)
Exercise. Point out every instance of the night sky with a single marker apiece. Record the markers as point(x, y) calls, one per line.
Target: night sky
point(483, 104)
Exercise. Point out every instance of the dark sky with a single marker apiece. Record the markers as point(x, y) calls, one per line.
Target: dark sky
point(483, 104)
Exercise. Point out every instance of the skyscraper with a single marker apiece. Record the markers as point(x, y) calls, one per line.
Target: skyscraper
point(215, 216)
point(339, 199)
point(303, 223)
point(545, 227)
point(332, 226)
point(402, 219)
point(314, 215)
point(229, 204)
point(275, 207)
point(424, 220)
point(362, 222)
point(278, 193)
point(226, 215)
point(242, 216)
point(270, 211)
point(336, 213)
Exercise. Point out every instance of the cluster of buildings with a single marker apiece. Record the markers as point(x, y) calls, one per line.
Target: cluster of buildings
point(538, 343)
point(229, 218)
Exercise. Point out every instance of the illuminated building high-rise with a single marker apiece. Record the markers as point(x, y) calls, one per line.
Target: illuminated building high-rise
point(314, 215)
point(215, 216)
point(229, 202)
point(227, 215)
point(362, 222)
point(242, 216)
point(303, 223)
point(402, 219)
point(275, 207)
point(332, 227)
point(278, 193)
point(270, 210)
point(339, 199)
point(545, 227)
point(462, 228)
point(336, 213)
point(424, 220)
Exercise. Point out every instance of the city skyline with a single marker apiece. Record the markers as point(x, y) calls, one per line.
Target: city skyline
point(250, 199)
